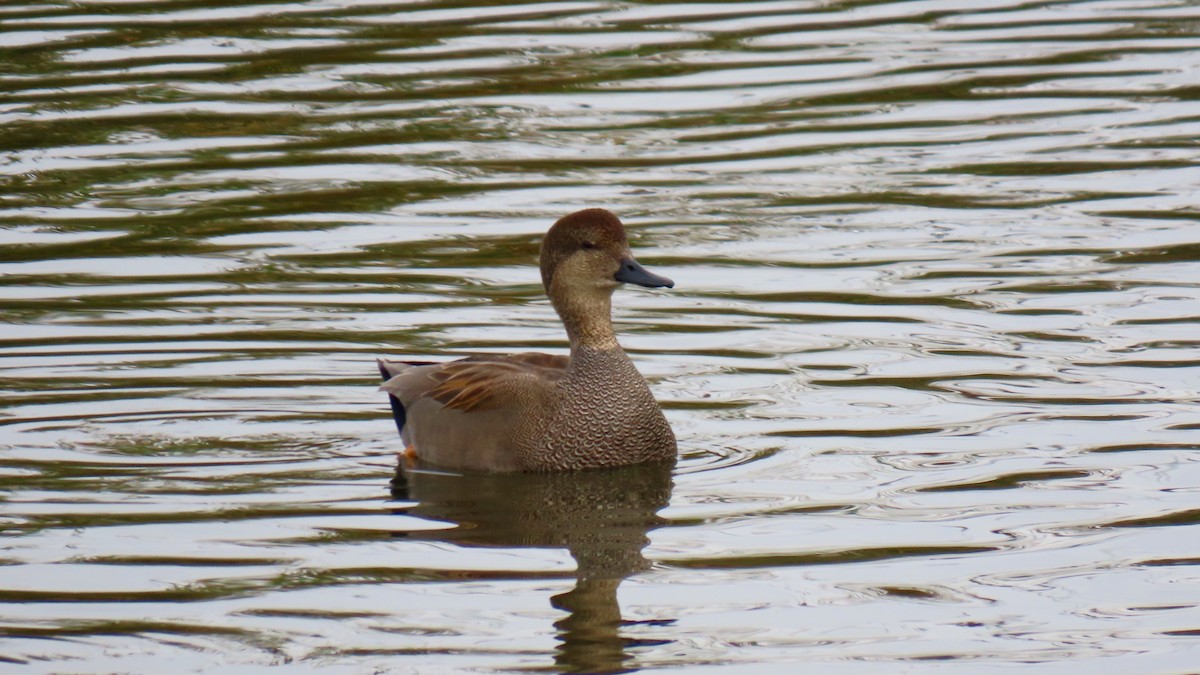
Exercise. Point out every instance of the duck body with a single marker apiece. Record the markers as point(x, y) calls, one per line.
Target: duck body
point(539, 412)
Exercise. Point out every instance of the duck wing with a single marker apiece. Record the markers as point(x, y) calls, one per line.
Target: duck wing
point(463, 413)
point(480, 382)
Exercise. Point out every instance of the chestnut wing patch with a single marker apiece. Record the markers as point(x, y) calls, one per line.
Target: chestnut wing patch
point(484, 382)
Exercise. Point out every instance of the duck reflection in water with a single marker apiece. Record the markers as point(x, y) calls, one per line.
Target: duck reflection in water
point(601, 517)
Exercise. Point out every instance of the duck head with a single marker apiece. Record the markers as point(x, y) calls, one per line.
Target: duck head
point(588, 251)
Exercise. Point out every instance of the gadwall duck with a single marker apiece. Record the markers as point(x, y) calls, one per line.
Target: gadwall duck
point(538, 412)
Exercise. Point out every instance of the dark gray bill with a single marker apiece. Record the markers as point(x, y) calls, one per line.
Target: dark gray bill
point(633, 273)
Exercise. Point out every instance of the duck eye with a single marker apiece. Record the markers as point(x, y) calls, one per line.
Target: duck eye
point(587, 245)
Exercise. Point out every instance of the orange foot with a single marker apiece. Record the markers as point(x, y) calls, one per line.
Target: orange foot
point(409, 456)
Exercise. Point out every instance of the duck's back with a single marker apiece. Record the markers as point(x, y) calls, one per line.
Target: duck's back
point(473, 413)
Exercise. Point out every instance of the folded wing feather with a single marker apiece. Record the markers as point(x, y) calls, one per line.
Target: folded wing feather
point(482, 382)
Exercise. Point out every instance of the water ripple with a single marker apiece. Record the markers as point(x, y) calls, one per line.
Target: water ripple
point(931, 357)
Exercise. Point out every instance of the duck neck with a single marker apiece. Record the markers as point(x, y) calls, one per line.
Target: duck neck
point(588, 320)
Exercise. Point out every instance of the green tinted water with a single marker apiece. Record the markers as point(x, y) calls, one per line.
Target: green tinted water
point(932, 355)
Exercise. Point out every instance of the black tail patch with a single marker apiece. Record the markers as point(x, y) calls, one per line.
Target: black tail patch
point(397, 407)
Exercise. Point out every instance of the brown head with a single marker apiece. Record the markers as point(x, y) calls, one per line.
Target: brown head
point(588, 250)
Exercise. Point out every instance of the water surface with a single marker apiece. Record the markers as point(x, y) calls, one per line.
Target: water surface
point(932, 355)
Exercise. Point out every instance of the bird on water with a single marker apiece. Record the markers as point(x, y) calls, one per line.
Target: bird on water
point(540, 412)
